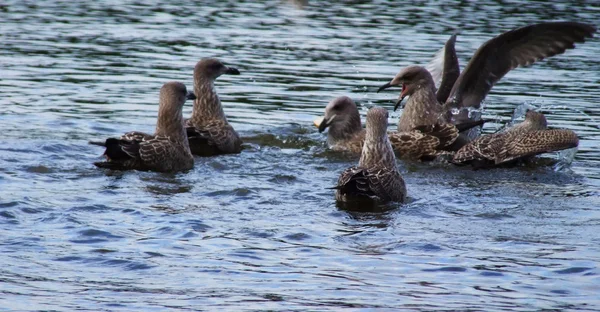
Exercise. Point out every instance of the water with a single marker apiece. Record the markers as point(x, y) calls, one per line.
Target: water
point(260, 230)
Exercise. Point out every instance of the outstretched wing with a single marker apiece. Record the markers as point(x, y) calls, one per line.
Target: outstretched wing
point(482, 148)
point(451, 70)
point(537, 142)
point(519, 47)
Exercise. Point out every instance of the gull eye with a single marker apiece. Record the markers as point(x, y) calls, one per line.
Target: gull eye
point(216, 66)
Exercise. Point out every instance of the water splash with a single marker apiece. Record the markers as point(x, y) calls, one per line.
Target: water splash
point(551, 108)
point(565, 159)
point(520, 111)
point(540, 106)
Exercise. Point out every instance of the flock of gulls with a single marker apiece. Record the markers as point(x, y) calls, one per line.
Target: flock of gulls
point(435, 122)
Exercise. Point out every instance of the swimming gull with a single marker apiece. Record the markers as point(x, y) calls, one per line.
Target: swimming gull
point(208, 131)
point(424, 142)
point(519, 47)
point(526, 139)
point(376, 179)
point(167, 150)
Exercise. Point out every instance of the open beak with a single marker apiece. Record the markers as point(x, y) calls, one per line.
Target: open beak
point(190, 96)
point(402, 96)
point(392, 84)
point(322, 123)
point(232, 71)
point(398, 103)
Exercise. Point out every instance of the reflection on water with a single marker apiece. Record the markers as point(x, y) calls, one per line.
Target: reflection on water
point(261, 230)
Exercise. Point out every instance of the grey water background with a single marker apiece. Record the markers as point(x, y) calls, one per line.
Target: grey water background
point(260, 230)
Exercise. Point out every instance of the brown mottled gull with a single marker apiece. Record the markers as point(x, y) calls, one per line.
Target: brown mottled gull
point(519, 47)
point(528, 138)
point(208, 131)
point(167, 150)
point(346, 133)
point(376, 178)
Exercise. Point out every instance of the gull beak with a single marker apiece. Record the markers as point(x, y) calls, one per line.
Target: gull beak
point(402, 96)
point(232, 71)
point(399, 102)
point(317, 122)
point(190, 96)
point(390, 84)
point(322, 123)
point(385, 86)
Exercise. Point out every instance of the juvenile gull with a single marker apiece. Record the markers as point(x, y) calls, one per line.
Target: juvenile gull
point(528, 138)
point(376, 179)
point(346, 133)
point(208, 131)
point(167, 150)
point(444, 67)
point(519, 47)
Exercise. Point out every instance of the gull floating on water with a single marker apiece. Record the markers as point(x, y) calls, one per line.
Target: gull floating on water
point(376, 179)
point(208, 131)
point(167, 150)
point(424, 143)
point(526, 139)
point(519, 47)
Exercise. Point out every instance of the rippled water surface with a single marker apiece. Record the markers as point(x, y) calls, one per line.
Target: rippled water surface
point(260, 230)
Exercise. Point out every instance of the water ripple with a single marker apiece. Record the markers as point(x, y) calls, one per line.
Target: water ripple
point(260, 230)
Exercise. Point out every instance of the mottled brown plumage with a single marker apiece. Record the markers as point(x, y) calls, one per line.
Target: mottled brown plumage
point(208, 131)
point(519, 47)
point(167, 150)
point(528, 138)
point(346, 133)
point(376, 178)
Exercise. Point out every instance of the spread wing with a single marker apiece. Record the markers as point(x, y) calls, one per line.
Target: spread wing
point(537, 142)
point(451, 70)
point(482, 148)
point(519, 47)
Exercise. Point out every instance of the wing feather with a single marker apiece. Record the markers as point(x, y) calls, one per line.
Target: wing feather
point(213, 138)
point(537, 142)
point(519, 47)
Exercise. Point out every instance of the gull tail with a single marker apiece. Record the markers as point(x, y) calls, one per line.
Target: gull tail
point(99, 143)
point(110, 165)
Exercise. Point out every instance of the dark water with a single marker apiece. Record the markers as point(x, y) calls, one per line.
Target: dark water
point(260, 231)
